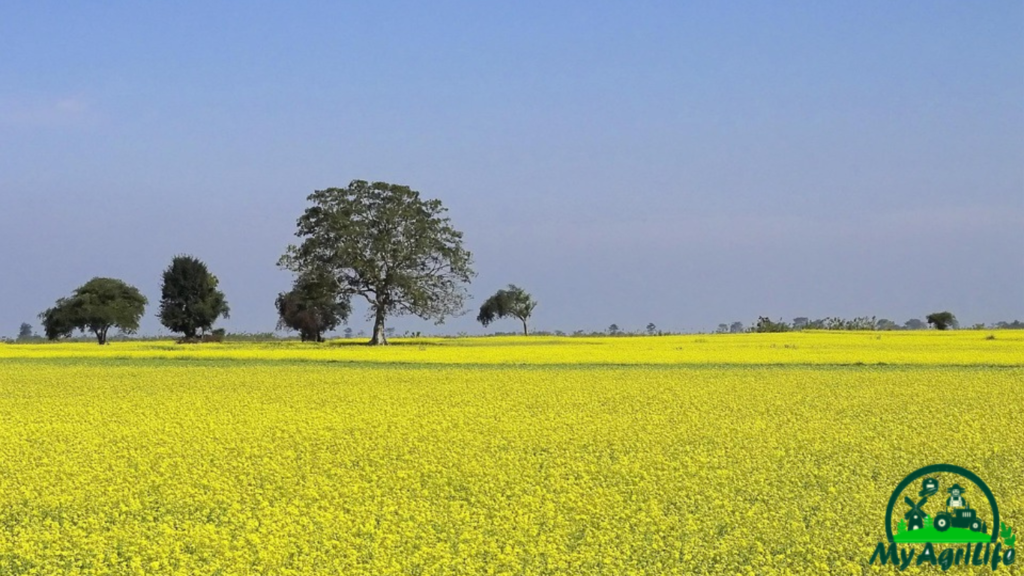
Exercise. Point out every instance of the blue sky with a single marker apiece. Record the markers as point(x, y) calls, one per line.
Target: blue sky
point(678, 163)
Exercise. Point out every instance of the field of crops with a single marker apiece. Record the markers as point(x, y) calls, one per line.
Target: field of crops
point(716, 454)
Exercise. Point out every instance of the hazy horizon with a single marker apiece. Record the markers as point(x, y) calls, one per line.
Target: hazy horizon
point(682, 165)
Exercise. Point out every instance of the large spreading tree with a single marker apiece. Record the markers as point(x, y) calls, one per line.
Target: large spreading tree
point(386, 244)
point(511, 302)
point(312, 307)
point(189, 299)
point(96, 306)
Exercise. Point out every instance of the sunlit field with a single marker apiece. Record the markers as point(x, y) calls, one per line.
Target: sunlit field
point(706, 454)
point(952, 348)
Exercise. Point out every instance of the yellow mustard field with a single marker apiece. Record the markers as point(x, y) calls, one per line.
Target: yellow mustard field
point(962, 348)
point(732, 454)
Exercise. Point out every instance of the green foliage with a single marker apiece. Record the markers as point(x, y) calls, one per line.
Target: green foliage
point(25, 331)
point(59, 321)
point(189, 299)
point(96, 306)
point(914, 324)
point(942, 320)
point(250, 336)
point(511, 302)
point(312, 307)
point(216, 335)
point(384, 243)
point(1009, 538)
point(765, 324)
point(886, 324)
point(858, 323)
point(837, 323)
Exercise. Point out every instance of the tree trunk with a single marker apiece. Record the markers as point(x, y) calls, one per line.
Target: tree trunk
point(379, 339)
point(101, 336)
point(525, 331)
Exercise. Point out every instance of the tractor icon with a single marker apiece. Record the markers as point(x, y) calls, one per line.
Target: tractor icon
point(962, 515)
point(960, 518)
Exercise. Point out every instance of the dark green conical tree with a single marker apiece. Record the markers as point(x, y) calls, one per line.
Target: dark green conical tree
point(190, 302)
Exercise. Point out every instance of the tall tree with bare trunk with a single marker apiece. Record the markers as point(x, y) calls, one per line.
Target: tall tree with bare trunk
point(386, 244)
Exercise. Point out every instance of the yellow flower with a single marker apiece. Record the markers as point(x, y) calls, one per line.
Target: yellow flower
point(719, 454)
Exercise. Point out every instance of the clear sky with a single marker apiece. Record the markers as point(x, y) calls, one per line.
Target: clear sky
point(682, 163)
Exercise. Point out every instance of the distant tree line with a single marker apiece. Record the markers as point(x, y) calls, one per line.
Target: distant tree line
point(939, 320)
point(374, 241)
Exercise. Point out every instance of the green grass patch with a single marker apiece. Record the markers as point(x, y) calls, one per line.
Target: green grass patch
point(950, 536)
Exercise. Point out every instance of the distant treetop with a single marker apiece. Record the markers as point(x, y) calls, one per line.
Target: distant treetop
point(511, 302)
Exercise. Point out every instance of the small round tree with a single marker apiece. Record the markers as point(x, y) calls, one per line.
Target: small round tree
point(96, 306)
point(189, 300)
point(25, 331)
point(942, 320)
point(512, 302)
point(312, 307)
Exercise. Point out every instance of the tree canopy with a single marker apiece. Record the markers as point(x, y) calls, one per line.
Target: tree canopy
point(942, 320)
point(511, 302)
point(96, 306)
point(386, 244)
point(312, 307)
point(914, 324)
point(765, 324)
point(190, 302)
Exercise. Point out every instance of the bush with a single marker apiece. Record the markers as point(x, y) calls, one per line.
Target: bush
point(765, 324)
point(215, 336)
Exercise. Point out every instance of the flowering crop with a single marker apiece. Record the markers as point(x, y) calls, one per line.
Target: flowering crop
point(741, 454)
point(959, 348)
